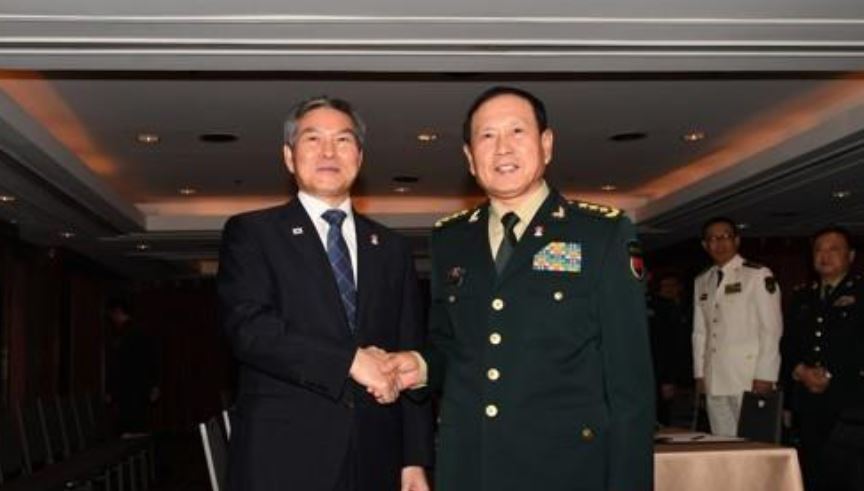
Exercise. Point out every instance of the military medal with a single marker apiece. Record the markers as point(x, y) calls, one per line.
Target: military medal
point(564, 257)
point(373, 239)
point(844, 301)
point(456, 275)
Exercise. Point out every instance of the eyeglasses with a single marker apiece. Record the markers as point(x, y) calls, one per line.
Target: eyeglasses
point(719, 237)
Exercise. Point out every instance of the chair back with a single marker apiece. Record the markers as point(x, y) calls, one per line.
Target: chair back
point(215, 452)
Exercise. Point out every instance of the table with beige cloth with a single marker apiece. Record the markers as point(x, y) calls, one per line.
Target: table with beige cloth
point(728, 466)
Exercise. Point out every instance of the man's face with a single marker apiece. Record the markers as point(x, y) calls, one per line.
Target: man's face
point(326, 155)
point(721, 242)
point(507, 154)
point(832, 256)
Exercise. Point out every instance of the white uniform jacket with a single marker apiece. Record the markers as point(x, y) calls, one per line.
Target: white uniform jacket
point(736, 327)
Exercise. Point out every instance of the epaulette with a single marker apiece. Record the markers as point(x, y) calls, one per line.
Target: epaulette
point(596, 209)
point(451, 217)
point(751, 264)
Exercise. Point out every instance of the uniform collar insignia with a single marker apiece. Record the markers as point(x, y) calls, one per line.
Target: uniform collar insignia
point(373, 239)
point(538, 231)
point(559, 212)
point(474, 216)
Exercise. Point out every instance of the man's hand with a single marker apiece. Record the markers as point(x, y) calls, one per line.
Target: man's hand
point(815, 379)
point(414, 479)
point(407, 367)
point(367, 369)
point(762, 386)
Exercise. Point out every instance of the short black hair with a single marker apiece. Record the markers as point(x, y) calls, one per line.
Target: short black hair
point(289, 132)
point(536, 105)
point(720, 219)
point(834, 229)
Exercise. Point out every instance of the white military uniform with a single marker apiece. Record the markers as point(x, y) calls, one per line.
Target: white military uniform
point(737, 325)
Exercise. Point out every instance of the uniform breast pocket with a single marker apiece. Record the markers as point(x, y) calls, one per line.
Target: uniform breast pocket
point(558, 309)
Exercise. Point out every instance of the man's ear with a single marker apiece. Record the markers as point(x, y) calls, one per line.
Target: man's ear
point(288, 156)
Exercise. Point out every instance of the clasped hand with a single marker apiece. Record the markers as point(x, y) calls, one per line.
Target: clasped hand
point(384, 374)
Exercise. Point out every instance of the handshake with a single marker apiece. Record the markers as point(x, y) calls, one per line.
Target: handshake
point(385, 374)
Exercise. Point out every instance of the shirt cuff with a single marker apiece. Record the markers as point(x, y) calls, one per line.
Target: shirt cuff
point(423, 369)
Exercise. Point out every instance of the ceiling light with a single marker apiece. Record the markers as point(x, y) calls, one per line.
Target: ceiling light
point(608, 187)
point(67, 235)
point(427, 137)
point(7, 198)
point(147, 138)
point(187, 191)
point(841, 194)
point(218, 137)
point(143, 247)
point(402, 189)
point(628, 136)
point(693, 136)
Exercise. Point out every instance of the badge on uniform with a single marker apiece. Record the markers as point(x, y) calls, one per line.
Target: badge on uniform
point(703, 297)
point(559, 256)
point(455, 276)
point(373, 239)
point(770, 284)
point(637, 262)
point(733, 288)
point(297, 231)
point(844, 301)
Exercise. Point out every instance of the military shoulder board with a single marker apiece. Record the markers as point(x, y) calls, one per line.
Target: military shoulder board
point(449, 218)
point(595, 209)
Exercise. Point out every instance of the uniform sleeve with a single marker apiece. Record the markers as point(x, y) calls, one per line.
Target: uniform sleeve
point(698, 334)
point(770, 326)
point(626, 364)
point(416, 410)
point(257, 334)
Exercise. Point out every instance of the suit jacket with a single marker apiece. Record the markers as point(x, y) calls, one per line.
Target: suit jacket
point(546, 373)
point(297, 412)
point(737, 327)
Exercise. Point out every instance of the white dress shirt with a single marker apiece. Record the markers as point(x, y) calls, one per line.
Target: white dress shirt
point(316, 207)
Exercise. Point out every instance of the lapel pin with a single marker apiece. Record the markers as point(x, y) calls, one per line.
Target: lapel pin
point(538, 231)
point(474, 216)
point(297, 230)
point(373, 239)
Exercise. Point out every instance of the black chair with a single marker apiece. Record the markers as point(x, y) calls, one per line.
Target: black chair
point(226, 423)
point(11, 454)
point(55, 430)
point(34, 440)
point(761, 417)
point(215, 452)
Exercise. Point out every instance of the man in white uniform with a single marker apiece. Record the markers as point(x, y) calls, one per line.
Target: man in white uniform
point(737, 325)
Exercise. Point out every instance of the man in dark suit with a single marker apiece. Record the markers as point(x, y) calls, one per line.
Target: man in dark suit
point(538, 329)
point(823, 360)
point(307, 292)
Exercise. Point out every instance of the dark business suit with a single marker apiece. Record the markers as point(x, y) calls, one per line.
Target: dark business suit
point(546, 375)
point(298, 415)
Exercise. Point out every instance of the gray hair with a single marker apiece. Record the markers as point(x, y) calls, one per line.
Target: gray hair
point(302, 108)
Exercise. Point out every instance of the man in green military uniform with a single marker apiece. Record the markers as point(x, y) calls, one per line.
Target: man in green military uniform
point(538, 333)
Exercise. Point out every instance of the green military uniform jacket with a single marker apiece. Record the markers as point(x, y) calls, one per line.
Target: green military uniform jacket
point(545, 371)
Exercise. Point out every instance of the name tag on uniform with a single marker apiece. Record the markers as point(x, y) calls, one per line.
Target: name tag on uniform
point(559, 256)
point(733, 288)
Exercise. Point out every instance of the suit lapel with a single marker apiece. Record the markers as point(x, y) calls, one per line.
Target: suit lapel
point(368, 262)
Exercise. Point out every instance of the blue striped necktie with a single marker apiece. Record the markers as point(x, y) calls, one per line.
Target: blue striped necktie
point(340, 261)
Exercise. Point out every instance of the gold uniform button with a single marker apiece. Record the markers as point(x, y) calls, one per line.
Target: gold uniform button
point(817, 349)
point(491, 410)
point(818, 334)
point(587, 434)
point(493, 374)
point(558, 296)
point(495, 339)
point(451, 299)
point(819, 320)
point(497, 304)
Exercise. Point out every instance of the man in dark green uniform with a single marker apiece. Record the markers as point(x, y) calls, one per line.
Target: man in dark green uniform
point(538, 333)
point(823, 359)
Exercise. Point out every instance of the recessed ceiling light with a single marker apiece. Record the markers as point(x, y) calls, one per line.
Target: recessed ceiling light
point(841, 194)
point(693, 136)
point(187, 191)
point(402, 189)
point(406, 179)
point(67, 235)
point(608, 187)
point(147, 138)
point(427, 136)
point(7, 198)
point(218, 137)
point(142, 247)
point(628, 136)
